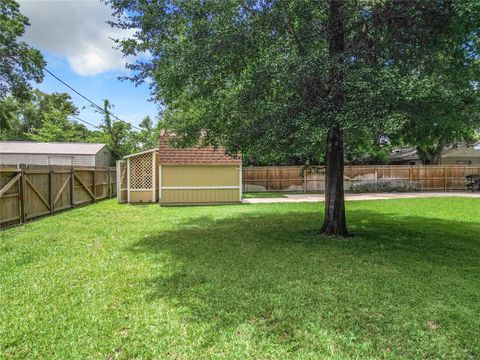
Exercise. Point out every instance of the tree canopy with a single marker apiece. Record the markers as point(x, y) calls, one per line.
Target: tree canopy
point(444, 111)
point(303, 77)
point(19, 63)
point(256, 73)
point(41, 117)
point(119, 136)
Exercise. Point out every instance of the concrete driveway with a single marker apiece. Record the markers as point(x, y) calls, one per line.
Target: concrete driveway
point(352, 197)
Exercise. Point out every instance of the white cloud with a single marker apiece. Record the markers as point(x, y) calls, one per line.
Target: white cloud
point(76, 29)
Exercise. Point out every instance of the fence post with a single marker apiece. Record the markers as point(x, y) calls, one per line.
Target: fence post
point(94, 187)
point(50, 191)
point(72, 186)
point(445, 179)
point(112, 178)
point(268, 178)
point(118, 190)
point(305, 174)
point(109, 184)
point(21, 188)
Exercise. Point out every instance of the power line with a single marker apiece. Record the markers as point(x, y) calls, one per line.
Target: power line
point(86, 122)
point(86, 98)
point(77, 92)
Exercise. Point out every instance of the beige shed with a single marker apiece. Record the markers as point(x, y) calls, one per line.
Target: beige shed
point(197, 175)
point(180, 176)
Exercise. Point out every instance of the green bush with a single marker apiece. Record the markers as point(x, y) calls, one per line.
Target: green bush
point(385, 186)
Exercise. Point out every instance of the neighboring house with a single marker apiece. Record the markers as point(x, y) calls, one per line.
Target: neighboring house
point(462, 155)
point(66, 154)
point(454, 155)
point(405, 156)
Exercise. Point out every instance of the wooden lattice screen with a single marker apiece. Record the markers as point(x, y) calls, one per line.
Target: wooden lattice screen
point(141, 172)
point(123, 175)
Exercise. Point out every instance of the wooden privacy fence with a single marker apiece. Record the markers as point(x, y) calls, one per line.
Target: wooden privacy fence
point(33, 191)
point(294, 178)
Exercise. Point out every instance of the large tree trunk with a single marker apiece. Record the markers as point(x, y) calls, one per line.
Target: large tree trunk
point(334, 223)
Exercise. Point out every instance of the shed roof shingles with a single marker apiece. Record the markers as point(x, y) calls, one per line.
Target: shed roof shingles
point(169, 155)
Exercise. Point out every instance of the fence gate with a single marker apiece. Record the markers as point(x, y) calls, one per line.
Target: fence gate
point(10, 198)
point(62, 190)
point(36, 194)
point(83, 186)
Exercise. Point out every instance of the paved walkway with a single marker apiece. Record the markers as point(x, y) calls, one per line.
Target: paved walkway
point(352, 197)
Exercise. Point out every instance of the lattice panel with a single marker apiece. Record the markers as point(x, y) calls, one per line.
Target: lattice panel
point(123, 175)
point(141, 171)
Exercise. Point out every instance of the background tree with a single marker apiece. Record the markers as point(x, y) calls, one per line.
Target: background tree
point(19, 63)
point(304, 75)
point(43, 117)
point(107, 116)
point(147, 137)
point(444, 112)
point(118, 135)
point(9, 119)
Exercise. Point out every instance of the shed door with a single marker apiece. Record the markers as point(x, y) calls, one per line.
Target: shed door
point(189, 184)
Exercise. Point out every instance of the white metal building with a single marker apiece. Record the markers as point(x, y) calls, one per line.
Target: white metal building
point(66, 154)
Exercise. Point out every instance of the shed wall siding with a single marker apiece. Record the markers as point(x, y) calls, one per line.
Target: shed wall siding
point(205, 196)
point(195, 175)
point(203, 184)
point(43, 159)
point(103, 157)
point(141, 196)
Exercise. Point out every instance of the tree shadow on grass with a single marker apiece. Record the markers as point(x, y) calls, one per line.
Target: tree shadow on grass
point(271, 276)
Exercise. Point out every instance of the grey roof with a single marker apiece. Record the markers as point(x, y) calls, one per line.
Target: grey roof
point(408, 153)
point(29, 147)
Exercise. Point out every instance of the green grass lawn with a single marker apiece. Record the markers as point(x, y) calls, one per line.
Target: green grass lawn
point(246, 281)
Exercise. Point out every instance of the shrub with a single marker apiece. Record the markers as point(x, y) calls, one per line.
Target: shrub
point(385, 186)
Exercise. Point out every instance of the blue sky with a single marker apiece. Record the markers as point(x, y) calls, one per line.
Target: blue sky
point(131, 103)
point(75, 41)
